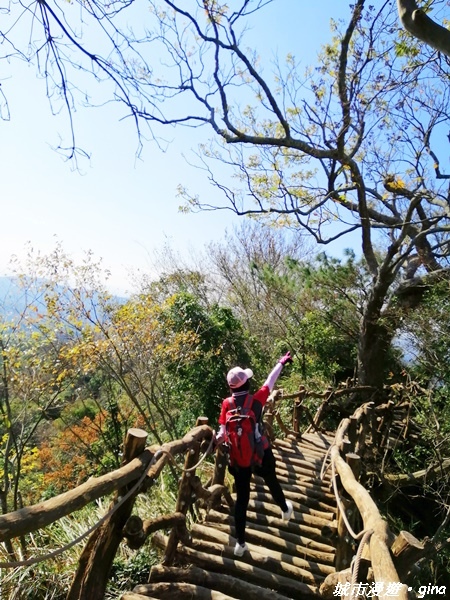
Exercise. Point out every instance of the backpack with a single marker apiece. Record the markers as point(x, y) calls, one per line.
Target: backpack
point(240, 424)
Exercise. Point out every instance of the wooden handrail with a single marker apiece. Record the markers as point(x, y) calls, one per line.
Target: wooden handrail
point(368, 425)
point(37, 516)
point(381, 538)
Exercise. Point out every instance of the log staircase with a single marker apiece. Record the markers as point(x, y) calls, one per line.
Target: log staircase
point(285, 560)
point(321, 473)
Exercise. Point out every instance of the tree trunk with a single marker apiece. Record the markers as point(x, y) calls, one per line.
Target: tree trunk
point(96, 559)
point(375, 336)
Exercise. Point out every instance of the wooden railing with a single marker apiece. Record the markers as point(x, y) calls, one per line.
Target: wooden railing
point(369, 427)
point(367, 432)
point(141, 467)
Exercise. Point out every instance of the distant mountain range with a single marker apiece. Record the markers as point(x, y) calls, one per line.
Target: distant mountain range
point(14, 298)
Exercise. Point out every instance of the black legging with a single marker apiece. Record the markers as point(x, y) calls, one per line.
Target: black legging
point(242, 478)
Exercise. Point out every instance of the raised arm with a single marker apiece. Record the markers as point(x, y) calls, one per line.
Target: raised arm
point(275, 373)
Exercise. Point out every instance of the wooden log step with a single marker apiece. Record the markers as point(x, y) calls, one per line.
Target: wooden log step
point(316, 551)
point(304, 495)
point(324, 494)
point(311, 459)
point(297, 517)
point(301, 475)
point(257, 556)
point(291, 531)
point(319, 440)
point(269, 560)
point(268, 545)
point(226, 584)
point(308, 445)
point(179, 591)
point(293, 477)
point(318, 484)
point(298, 469)
point(305, 444)
point(263, 495)
point(300, 446)
point(299, 529)
point(306, 462)
point(300, 451)
point(303, 479)
point(299, 461)
point(241, 569)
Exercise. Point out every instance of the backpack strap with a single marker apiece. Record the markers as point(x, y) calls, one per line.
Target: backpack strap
point(248, 403)
point(231, 403)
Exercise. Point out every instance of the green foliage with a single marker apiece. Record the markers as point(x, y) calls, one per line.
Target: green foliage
point(322, 300)
point(426, 337)
point(50, 579)
point(159, 361)
point(324, 352)
point(433, 420)
point(129, 571)
point(199, 384)
point(403, 48)
point(80, 409)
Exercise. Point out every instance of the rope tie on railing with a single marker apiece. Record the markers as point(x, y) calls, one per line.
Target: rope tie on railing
point(341, 507)
point(325, 468)
point(355, 536)
point(354, 567)
point(363, 535)
point(55, 553)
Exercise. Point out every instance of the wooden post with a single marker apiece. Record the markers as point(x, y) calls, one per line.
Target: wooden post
point(320, 413)
point(184, 494)
point(407, 550)
point(352, 432)
point(346, 447)
point(344, 546)
point(386, 423)
point(370, 415)
point(134, 444)
point(296, 416)
point(269, 413)
point(96, 559)
point(134, 532)
point(362, 435)
point(183, 501)
point(376, 426)
point(354, 462)
point(220, 467)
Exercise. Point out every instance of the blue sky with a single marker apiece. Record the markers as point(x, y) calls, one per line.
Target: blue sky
point(119, 207)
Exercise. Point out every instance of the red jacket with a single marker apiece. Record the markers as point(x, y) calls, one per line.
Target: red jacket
point(259, 400)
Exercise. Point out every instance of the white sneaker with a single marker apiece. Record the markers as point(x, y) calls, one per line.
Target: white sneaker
point(240, 549)
point(288, 514)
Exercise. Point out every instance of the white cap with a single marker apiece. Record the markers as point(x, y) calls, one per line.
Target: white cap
point(237, 377)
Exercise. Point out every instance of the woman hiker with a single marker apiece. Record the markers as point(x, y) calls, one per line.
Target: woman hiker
point(239, 382)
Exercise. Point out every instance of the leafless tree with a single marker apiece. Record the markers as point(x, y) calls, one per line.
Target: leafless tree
point(352, 145)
